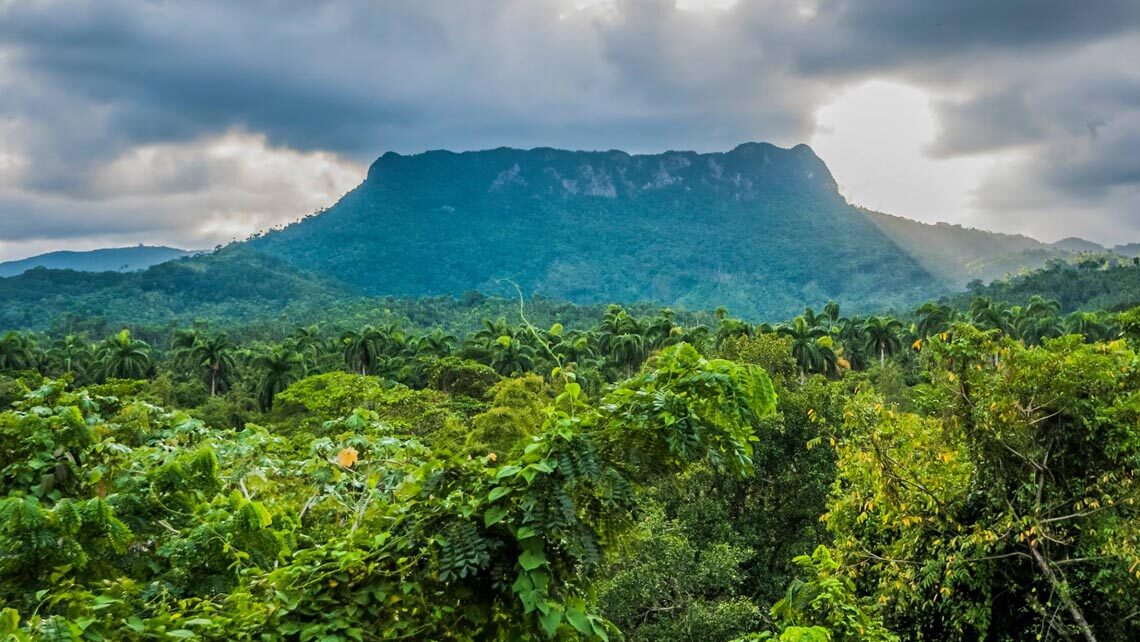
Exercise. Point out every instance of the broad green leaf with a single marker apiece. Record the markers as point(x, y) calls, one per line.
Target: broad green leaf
point(550, 621)
point(532, 558)
point(495, 514)
point(579, 621)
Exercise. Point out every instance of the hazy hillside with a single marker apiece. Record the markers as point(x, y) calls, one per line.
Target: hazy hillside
point(1078, 245)
point(1128, 249)
point(961, 254)
point(760, 229)
point(119, 259)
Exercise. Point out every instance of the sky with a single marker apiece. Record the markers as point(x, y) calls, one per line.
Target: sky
point(196, 123)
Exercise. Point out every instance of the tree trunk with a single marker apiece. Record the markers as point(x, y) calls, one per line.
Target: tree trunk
point(882, 356)
point(1063, 592)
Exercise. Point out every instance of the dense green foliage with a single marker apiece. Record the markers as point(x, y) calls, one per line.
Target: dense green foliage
point(256, 297)
point(960, 473)
point(1095, 282)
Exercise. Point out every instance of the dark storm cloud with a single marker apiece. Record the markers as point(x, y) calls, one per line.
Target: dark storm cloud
point(988, 121)
point(83, 85)
point(868, 34)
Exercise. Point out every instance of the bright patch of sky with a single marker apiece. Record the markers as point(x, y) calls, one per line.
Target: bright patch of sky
point(875, 138)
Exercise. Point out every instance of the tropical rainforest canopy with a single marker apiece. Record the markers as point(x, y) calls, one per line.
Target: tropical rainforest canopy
point(429, 471)
point(319, 435)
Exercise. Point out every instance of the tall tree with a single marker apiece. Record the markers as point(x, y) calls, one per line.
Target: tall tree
point(215, 358)
point(436, 343)
point(989, 315)
point(363, 349)
point(511, 356)
point(805, 344)
point(122, 357)
point(934, 318)
point(883, 336)
point(309, 343)
point(277, 369)
point(17, 351)
point(831, 310)
point(69, 355)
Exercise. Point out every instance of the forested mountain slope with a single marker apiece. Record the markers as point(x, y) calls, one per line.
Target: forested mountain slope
point(230, 285)
point(760, 229)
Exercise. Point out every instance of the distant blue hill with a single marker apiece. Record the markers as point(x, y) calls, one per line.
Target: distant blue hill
point(119, 259)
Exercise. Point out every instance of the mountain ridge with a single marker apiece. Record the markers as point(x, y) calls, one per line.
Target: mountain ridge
point(113, 259)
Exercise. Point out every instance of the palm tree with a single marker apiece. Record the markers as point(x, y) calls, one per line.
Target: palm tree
point(511, 356)
point(277, 369)
point(828, 359)
point(812, 319)
point(69, 355)
point(989, 316)
point(849, 332)
point(184, 340)
point(17, 351)
point(628, 351)
point(934, 318)
point(435, 344)
point(121, 357)
point(733, 328)
point(661, 329)
point(617, 321)
point(308, 343)
point(805, 344)
point(1042, 307)
point(214, 356)
point(363, 350)
point(831, 311)
point(490, 332)
point(1037, 320)
point(1089, 325)
point(622, 338)
point(883, 336)
point(697, 336)
point(576, 346)
point(1032, 330)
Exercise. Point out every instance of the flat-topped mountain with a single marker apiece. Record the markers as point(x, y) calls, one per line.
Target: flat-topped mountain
point(760, 228)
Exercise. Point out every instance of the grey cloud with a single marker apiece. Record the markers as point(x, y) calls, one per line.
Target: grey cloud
point(865, 34)
point(91, 82)
point(28, 218)
point(989, 121)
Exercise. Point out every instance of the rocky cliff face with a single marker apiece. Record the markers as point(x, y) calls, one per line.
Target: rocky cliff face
point(745, 173)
